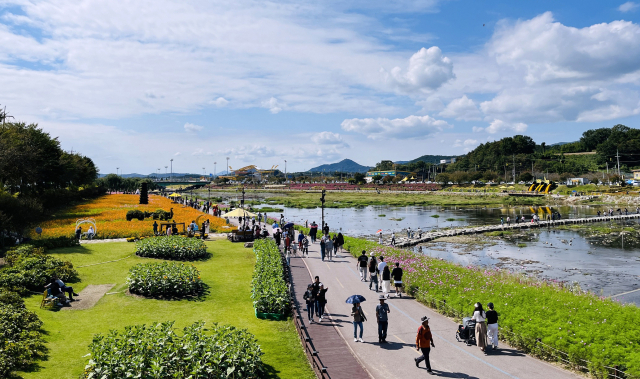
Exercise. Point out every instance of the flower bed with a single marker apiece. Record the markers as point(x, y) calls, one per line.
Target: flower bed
point(172, 247)
point(165, 280)
point(110, 214)
point(269, 290)
point(593, 331)
point(219, 351)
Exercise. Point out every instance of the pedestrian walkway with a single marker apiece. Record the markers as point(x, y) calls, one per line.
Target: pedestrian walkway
point(450, 358)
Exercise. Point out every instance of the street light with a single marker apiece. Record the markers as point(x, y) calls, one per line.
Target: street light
point(322, 201)
point(171, 177)
point(214, 170)
point(227, 166)
point(285, 170)
point(117, 168)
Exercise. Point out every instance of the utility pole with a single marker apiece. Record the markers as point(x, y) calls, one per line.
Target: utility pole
point(214, 170)
point(285, 170)
point(322, 201)
point(618, 158)
point(171, 177)
point(514, 169)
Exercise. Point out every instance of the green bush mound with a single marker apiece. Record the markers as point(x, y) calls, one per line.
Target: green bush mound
point(172, 247)
point(55, 242)
point(157, 351)
point(30, 269)
point(269, 290)
point(21, 341)
point(165, 280)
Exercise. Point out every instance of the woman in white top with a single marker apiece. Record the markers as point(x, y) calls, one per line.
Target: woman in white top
point(481, 327)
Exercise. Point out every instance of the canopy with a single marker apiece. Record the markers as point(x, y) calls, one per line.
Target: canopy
point(175, 195)
point(239, 212)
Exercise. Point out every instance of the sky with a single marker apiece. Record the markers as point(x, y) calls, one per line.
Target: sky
point(134, 84)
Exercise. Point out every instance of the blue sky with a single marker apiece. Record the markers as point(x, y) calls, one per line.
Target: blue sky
point(135, 85)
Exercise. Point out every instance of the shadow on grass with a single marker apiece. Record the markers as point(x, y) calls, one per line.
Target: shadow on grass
point(270, 372)
point(69, 250)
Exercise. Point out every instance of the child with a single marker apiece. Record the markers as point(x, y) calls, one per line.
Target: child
point(294, 246)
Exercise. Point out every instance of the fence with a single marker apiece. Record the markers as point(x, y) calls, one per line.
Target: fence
point(535, 347)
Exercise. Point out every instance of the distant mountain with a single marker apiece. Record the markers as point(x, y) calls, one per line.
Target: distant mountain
point(154, 175)
point(401, 162)
point(559, 144)
point(346, 165)
point(433, 158)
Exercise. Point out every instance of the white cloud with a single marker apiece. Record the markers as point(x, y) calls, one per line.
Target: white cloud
point(399, 128)
point(192, 128)
point(328, 138)
point(428, 69)
point(470, 142)
point(461, 109)
point(477, 129)
point(220, 102)
point(249, 153)
point(498, 126)
point(628, 6)
point(273, 105)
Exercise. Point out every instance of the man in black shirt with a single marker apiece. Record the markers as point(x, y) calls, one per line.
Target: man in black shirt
point(492, 326)
point(362, 266)
point(396, 274)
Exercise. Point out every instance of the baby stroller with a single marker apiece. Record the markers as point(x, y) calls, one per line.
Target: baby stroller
point(467, 331)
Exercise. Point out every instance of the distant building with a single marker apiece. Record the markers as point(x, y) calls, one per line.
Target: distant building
point(636, 174)
point(443, 161)
point(453, 160)
point(369, 175)
point(577, 181)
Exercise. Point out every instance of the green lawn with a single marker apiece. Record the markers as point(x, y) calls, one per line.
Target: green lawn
point(228, 273)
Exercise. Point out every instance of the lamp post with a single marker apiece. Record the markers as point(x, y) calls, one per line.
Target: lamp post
point(171, 177)
point(165, 170)
point(285, 170)
point(322, 201)
point(158, 175)
point(117, 168)
point(214, 170)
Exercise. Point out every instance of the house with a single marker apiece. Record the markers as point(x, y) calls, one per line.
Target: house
point(577, 181)
point(636, 174)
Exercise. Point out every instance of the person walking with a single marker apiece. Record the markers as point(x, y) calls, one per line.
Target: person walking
point(381, 264)
point(316, 288)
point(383, 319)
point(310, 298)
point(300, 239)
point(362, 266)
point(423, 340)
point(321, 301)
point(393, 239)
point(409, 232)
point(323, 245)
point(305, 247)
point(340, 241)
point(380, 238)
point(155, 228)
point(313, 231)
point(373, 272)
point(386, 281)
point(419, 232)
point(358, 319)
point(501, 221)
point(328, 247)
point(276, 236)
point(508, 220)
point(492, 326)
point(396, 274)
point(479, 316)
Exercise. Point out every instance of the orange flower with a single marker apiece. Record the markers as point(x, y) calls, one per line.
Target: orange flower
point(110, 212)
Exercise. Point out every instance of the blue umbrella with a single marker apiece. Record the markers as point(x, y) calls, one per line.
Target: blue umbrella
point(288, 225)
point(355, 299)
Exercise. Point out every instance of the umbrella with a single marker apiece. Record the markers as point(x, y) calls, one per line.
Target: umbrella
point(355, 299)
point(175, 195)
point(379, 231)
point(288, 225)
point(239, 212)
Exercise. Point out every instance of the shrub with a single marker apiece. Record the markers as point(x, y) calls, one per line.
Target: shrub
point(165, 279)
point(135, 214)
point(172, 247)
point(11, 298)
point(269, 291)
point(30, 269)
point(55, 243)
point(20, 339)
point(160, 352)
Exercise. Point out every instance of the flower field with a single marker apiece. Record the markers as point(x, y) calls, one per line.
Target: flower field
point(110, 212)
point(589, 331)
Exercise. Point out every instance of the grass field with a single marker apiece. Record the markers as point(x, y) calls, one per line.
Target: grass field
point(227, 273)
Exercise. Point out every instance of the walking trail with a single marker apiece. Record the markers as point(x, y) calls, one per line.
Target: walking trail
point(395, 359)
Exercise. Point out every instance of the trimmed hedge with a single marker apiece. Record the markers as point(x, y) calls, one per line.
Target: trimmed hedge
point(55, 243)
point(269, 291)
point(165, 280)
point(172, 247)
point(30, 269)
point(21, 341)
point(220, 351)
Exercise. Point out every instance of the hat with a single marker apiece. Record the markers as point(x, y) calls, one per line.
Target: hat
point(425, 318)
point(381, 297)
point(372, 254)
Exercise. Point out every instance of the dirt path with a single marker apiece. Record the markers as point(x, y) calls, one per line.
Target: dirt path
point(88, 297)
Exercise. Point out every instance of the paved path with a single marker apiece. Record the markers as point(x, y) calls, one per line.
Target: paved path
point(450, 359)
point(88, 297)
point(395, 360)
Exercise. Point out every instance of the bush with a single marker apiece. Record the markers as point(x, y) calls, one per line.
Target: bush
point(172, 247)
point(11, 298)
point(160, 352)
point(30, 269)
point(20, 339)
point(135, 214)
point(165, 280)
point(55, 243)
point(269, 291)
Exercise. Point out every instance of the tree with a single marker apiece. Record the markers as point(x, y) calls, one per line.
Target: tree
point(377, 178)
point(443, 178)
point(359, 178)
point(525, 177)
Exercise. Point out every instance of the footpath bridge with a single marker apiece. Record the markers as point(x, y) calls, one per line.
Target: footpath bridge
point(430, 236)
